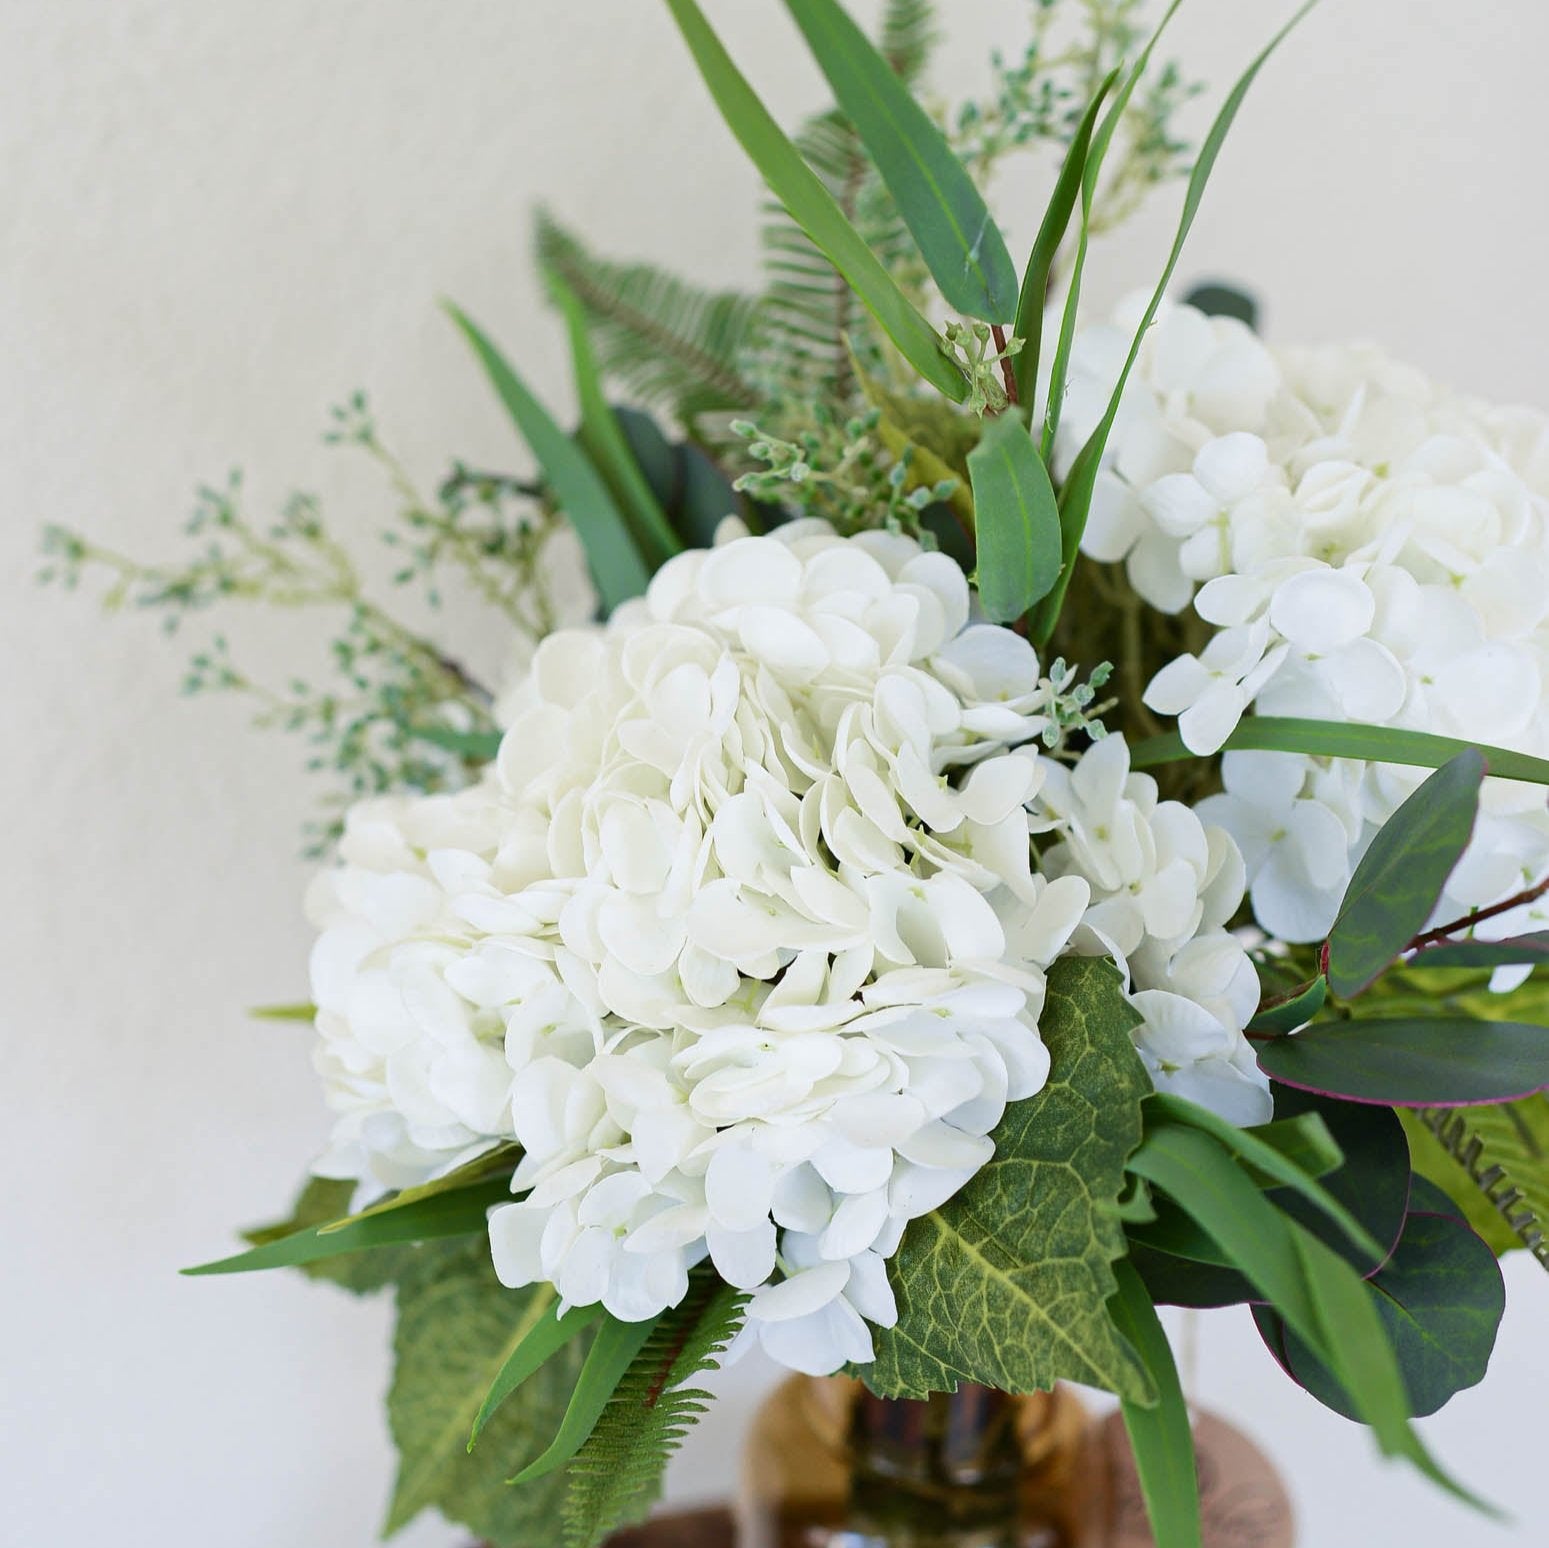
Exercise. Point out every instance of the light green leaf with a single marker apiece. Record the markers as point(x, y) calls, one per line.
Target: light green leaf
point(544, 1334)
point(1076, 494)
point(497, 1162)
point(1161, 1437)
point(1007, 1284)
point(617, 568)
point(1016, 520)
point(1337, 739)
point(1402, 874)
point(306, 1011)
point(457, 1326)
point(475, 746)
point(813, 207)
point(960, 243)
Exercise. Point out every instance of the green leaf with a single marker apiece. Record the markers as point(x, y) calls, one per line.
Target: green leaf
point(1340, 739)
point(305, 1011)
point(497, 1162)
point(1522, 950)
point(616, 1476)
point(613, 1351)
point(544, 1334)
point(813, 207)
point(475, 746)
point(1225, 301)
point(604, 442)
point(1401, 876)
point(960, 243)
point(617, 568)
point(457, 1326)
point(1295, 1010)
point(1440, 1297)
point(1016, 520)
point(1007, 1283)
point(460, 1213)
point(1161, 1437)
point(1442, 1061)
point(1034, 295)
point(321, 1200)
point(1076, 494)
point(696, 496)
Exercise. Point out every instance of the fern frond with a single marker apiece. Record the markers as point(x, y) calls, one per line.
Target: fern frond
point(907, 36)
point(1502, 1149)
point(669, 344)
point(616, 1476)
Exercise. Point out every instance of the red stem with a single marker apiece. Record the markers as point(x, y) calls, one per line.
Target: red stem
point(1441, 932)
point(1007, 372)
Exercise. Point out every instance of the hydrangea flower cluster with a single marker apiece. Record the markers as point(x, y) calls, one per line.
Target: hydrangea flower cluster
point(1368, 547)
point(742, 939)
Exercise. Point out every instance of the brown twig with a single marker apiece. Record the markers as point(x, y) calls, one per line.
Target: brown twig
point(1007, 371)
point(1442, 932)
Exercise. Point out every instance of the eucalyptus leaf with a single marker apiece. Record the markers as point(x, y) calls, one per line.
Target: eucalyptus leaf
point(1293, 1011)
point(1401, 876)
point(1016, 520)
point(813, 207)
point(1007, 1283)
point(1441, 1061)
point(1218, 300)
point(944, 211)
point(1519, 951)
point(1342, 739)
point(616, 564)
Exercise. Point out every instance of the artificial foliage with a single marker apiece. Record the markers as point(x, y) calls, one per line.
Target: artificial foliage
point(1012, 821)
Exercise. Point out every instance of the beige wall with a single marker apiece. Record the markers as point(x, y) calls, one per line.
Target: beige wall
point(219, 217)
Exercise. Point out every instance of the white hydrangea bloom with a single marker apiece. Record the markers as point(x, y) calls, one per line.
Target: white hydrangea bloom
point(1369, 547)
point(741, 939)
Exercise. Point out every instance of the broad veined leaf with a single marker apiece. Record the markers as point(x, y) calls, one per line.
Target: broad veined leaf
point(960, 243)
point(1160, 1436)
point(1400, 878)
point(498, 1161)
point(1440, 1297)
point(1007, 1283)
point(616, 564)
point(604, 441)
point(613, 1351)
point(1519, 951)
point(812, 207)
point(457, 1326)
point(542, 1334)
point(459, 1213)
point(1442, 1061)
point(1292, 1011)
point(1340, 739)
point(1034, 295)
point(1076, 494)
point(1016, 520)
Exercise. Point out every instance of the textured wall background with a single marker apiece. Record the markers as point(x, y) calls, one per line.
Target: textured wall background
point(221, 217)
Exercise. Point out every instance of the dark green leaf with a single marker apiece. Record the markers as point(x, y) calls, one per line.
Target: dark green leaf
point(617, 568)
point(1175, 1281)
point(813, 207)
point(1401, 876)
point(461, 1213)
point(1224, 301)
point(1440, 1297)
point(613, 1351)
point(1339, 739)
point(1445, 1061)
point(1521, 950)
point(324, 1199)
point(1295, 1010)
point(960, 243)
point(540, 1335)
point(497, 1162)
point(1007, 1283)
point(1160, 1436)
point(1016, 520)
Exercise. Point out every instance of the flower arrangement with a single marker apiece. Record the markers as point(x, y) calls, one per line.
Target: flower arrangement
point(798, 949)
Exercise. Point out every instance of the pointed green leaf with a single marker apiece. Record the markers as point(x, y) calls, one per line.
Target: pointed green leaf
point(1076, 494)
point(1442, 1061)
point(960, 243)
point(1007, 1283)
point(305, 1011)
point(617, 568)
point(1016, 520)
point(497, 1162)
point(1161, 1436)
point(475, 746)
point(321, 1200)
point(1294, 1011)
point(1338, 739)
point(812, 207)
point(542, 1333)
point(1401, 876)
point(1519, 951)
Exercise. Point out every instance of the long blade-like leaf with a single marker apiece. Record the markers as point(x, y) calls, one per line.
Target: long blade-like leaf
point(617, 568)
point(546, 1334)
point(1518, 951)
point(1016, 520)
point(1161, 1437)
point(499, 1161)
point(1341, 739)
point(459, 1213)
point(1076, 495)
point(1401, 876)
point(611, 1354)
point(960, 243)
point(812, 207)
point(1442, 1061)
